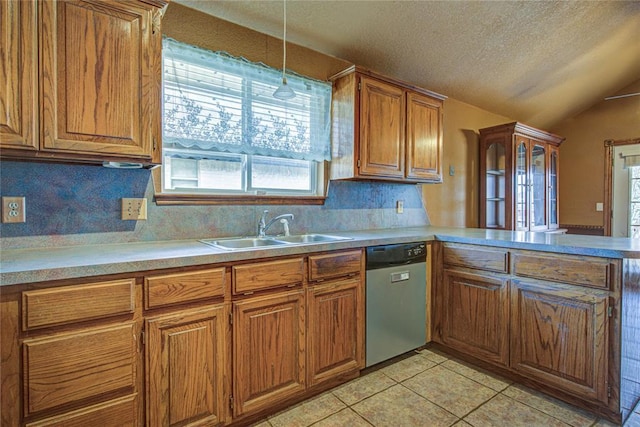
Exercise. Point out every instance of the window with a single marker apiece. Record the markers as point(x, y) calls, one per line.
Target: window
point(634, 202)
point(224, 132)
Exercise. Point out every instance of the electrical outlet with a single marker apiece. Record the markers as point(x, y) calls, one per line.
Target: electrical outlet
point(134, 209)
point(400, 206)
point(13, 209)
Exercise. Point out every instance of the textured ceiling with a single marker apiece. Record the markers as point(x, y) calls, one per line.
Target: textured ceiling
point(538, 62)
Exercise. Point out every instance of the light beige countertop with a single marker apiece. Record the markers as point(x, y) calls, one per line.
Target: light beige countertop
point(32, 265)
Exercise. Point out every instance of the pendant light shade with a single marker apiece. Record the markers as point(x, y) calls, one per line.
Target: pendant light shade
point(284, 91)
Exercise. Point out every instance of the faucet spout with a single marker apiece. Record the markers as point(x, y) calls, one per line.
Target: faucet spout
point(263, 226)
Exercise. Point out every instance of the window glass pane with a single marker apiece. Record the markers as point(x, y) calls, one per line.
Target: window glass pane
point(279, 174)
point(222, 173)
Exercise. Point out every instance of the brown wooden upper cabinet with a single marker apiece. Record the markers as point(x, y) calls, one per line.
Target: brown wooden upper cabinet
point(99, 73)
point(519, 178)
point(384, 129)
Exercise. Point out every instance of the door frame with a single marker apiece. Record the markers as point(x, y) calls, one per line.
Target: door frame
point(609, 146)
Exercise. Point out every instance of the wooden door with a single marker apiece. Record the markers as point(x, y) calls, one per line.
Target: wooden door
point(424, 138)
point(559, 336)
point(335, 329)
point(187, 358)
point(268, 349)
point(476, 313)
point(18, 75)
point(382, 129)
point(99, 72)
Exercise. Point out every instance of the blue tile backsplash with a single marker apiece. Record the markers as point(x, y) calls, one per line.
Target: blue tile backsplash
point(80, 204)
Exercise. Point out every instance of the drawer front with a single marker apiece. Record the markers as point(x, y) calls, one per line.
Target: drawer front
point(121, 412)
point(570, 269)
point(69, 368)
point(69, 304)
point(335, 265)
point(265, 275)
point(184, 287)
point(488, 259)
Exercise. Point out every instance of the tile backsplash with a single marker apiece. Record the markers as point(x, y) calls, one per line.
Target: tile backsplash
point(81, 204)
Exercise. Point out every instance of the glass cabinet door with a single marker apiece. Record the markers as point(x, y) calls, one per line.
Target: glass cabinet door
point(553, 187)
point(495, 213)
point(537, 208)
point(521, 186)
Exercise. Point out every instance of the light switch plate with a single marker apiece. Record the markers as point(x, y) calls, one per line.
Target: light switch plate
point(134, 209)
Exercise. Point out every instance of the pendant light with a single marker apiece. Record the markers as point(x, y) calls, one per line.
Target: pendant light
point(284, 91)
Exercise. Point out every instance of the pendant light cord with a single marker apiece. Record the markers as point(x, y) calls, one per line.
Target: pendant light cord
point(284, 41)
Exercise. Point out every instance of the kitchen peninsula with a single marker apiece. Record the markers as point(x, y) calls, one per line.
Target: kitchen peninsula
point(544, 299)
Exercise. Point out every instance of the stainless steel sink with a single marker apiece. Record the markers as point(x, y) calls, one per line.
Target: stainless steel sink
point(243, 242)
point(312, 238)
point(236, 243)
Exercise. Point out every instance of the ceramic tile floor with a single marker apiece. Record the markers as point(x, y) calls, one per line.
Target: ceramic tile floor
point(431, 389)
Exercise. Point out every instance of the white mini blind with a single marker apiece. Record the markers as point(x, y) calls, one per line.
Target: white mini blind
point(216, 102)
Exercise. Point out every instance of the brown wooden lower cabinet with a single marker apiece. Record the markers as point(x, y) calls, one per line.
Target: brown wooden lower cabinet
point(186, 364)
point(559, 336)
point(268, 347)
point(335, 327)
point(556, 326)
point(476, 316)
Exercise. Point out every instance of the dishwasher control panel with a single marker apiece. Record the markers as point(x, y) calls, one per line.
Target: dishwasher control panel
point(398, 254)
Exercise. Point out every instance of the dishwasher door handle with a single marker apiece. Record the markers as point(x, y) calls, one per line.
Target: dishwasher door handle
point(400, 276)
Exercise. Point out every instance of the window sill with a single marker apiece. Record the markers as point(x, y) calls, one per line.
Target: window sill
point(215, 199)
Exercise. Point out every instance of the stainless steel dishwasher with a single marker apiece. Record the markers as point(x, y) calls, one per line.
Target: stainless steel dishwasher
point(396, 300)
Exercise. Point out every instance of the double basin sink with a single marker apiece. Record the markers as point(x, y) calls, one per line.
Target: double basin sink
point(236, 243)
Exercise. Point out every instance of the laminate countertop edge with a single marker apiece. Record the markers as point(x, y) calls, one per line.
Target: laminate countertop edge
point(32, 265)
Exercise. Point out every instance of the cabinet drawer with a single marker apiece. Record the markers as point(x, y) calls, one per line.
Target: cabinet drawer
point(472, 257)
point(183, 287)
point(121, 412)
point(69, 368)
point(264, 275)
point(334, 265)
point(58, 306)
point(571, 269)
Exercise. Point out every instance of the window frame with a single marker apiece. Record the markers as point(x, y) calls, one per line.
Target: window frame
point(248, 194)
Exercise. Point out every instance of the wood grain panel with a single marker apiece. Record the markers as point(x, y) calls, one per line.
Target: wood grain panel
point(97, 77)
point(68, 304)
point(115, 413)
point(335, 329)
point(630, 349)
point(484, 258)
point(476, 319)
point(249, 278)
point(382, 129)
point(559, 335)
point(269, 350)
point(424, 138)
point(18, 75)
point(73, 367)
point(334, 265)
point(186, 358)
point(572, 269)
point(178, 288)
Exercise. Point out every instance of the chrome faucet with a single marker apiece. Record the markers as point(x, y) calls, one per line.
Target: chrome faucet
point(263, 226)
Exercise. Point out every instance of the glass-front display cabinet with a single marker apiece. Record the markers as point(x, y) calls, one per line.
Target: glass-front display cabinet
point(519, 178)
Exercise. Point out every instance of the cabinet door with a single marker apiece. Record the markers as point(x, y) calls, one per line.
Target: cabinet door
point(424, 138)
point(476, 315)
point(18, 75)
point(99, 89)
point(539, 192)
point(559, 336)
point(521, 183)
point(382, 129)
point(268, 348)
point(554, 164)
point(335, 334)
point(186, 360)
